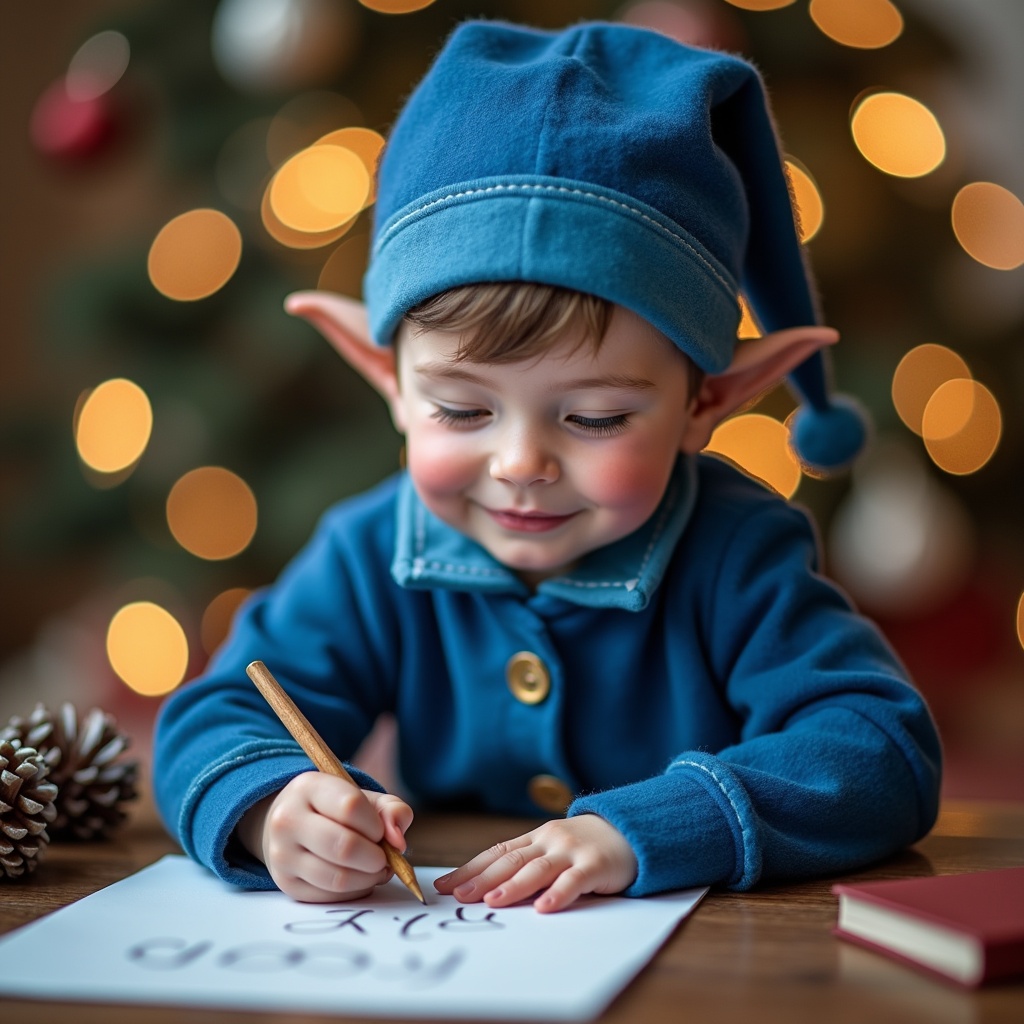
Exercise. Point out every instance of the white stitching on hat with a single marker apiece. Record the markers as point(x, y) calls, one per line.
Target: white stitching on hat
point(557, 188)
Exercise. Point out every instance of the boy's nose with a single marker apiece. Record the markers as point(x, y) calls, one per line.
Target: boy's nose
point(524, 461)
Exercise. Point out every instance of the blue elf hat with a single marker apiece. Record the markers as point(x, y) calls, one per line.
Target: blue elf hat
point(611, 160)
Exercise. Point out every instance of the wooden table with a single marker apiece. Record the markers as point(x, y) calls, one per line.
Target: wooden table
point(763, 957)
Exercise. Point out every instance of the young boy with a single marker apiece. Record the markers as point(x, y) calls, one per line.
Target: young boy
point(565, 606)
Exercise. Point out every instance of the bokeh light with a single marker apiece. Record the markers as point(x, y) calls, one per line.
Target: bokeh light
point(988, 221)
point(759, 445)
point(147, 648)
point(1020, 620)
point(366, 144)
point(898, 134)
point(212, 513)
point(760, 5)
point(113, 426)
point(865, 24)
point(293, 239)
point(919, 373)
point(809, 209)
point(194, 255)
point(748, 327)
point(217, 618)
point(396, 6)
point(268, 47)
point(900, 542)
point(961, 426)
point(319, 189)
point(97, 66)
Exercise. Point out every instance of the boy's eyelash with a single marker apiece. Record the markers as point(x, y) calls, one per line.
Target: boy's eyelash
point(456, 417)
point(602, 426)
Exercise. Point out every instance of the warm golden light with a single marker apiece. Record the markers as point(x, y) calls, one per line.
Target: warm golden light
point(297, 239)
point(961, 426)
point(396, 6)
point(748, 325)
point(988, 221)
point(194, 255)
point(866, 24)
point(147, 648)
point(319, 189)
point(113, 426)
point(366, 144)
point(808, 208)
point(899, 135)
point(759, 445)
point(212, 513)
point(760, 5)
point(217, 618)
point(919, 373)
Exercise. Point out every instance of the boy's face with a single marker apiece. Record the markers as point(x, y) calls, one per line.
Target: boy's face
point(543, 461)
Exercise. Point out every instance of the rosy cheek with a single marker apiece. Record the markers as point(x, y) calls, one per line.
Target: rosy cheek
point(627, 479)
point(437, 465)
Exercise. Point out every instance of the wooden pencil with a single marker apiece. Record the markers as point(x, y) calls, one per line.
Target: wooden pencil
point(323, 757)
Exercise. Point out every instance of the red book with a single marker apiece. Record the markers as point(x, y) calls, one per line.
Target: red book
point(968, 928)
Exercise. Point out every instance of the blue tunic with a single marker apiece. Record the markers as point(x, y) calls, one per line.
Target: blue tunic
point(711, 694)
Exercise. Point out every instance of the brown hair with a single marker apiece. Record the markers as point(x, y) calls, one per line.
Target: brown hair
point(510, 321)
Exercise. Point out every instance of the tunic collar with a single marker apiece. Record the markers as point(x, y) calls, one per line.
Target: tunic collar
point(431, 554)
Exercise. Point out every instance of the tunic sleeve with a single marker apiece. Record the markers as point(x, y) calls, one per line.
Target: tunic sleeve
point(838, 759)
point(219, 748)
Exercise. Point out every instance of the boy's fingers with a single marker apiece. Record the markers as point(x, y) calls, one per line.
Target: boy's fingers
point(568, 887)
point(511, 864)
point(346, 804)
point(472, 868)
point(533, 876)
point(395, 815)
point(341, 846)
point(331, 879)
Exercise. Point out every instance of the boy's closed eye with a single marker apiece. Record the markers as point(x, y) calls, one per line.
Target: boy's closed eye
point(601, 426)
point(459, 417)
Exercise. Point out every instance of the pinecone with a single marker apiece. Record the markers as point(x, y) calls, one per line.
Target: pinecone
point(82, 759)
point(26, 808)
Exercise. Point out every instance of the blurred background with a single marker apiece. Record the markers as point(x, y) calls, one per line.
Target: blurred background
point(169, 437)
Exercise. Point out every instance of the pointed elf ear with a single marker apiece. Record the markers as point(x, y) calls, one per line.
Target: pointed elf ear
point(756, 366)
point(343, 322)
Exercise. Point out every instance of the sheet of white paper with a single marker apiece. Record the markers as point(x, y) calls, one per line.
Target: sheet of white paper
point(175, 934)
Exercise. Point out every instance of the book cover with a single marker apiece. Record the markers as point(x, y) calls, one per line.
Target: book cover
point(968, 928)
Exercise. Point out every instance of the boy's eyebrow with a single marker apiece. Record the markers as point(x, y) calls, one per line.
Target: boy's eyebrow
point(616, 381)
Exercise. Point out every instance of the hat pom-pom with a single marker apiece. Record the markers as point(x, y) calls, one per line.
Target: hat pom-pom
point(827, 440)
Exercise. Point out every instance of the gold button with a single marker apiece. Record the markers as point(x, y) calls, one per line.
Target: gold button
point(527, 678)
point(549, 793)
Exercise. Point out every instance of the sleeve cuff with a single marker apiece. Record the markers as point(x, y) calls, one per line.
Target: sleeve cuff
point(692, 826)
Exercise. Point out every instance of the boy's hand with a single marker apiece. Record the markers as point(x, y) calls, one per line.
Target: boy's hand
point(319, 836)
point(566, 858)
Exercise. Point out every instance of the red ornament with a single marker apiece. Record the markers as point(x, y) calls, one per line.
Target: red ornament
point(71, 129)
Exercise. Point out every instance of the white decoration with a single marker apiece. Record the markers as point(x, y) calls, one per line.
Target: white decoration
point(264, 46)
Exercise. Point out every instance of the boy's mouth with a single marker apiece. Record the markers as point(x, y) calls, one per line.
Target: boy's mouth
point(527, 522)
